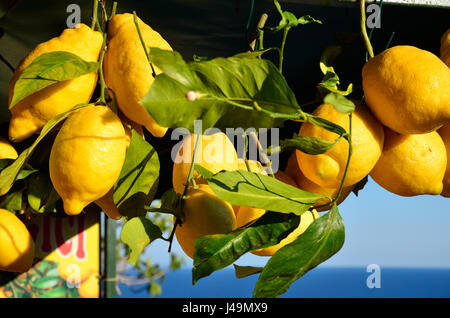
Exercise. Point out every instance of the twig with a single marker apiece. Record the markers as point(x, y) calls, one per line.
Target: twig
point(256, 34)
point(7, 63)
point(366, 39)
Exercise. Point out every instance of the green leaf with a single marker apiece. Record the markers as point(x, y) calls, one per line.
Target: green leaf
point(137, 233)
point(323, 238)
point(47, 69)
point(309, 145)
point(138, 179)
point(308, 19)
point(41, 194)
point(340, 102)
point(57, 292)
point(203, 172)
point(214, 252)
point(12, 201)
point(326, 124)
point(10, 174)
point(242, 187)
point(46, 282)
point(245, 271)
point(243, 91)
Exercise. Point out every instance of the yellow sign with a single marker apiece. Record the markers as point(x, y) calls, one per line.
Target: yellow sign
point(67, 259)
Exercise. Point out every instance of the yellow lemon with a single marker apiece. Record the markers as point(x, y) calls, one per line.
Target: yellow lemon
point(75, 272)
point(204, 214)
point(87, 156)
point(445, 48)
point(127, 70)
point(215, 153)
point(411, 164)
point(293, 170)
point(7, 151)
point(306, 219)
point(16, 244)
point(407, 89)
point(90, 288)
point(327, 169)
point(444, 132)
point(32, 113)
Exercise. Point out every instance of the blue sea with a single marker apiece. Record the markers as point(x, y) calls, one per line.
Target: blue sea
point(321, 282)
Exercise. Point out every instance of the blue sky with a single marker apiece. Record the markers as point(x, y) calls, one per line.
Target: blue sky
point(381, 228)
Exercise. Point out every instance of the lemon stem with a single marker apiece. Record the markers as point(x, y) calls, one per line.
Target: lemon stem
point(283, 43)
point(188, 181)
point(143, 43)
point(350, 152)
point(100, 71)
point(6, 63)
point(366, 39)
point(113, 11)
point(266, 162)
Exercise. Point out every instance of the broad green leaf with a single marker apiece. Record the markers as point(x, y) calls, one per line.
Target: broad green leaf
point(214, 252)
point(10, 174)
point(243, 91)
point(137, 233)
point(245, 271)
point(138, 180)
point(309, 145)
point(47, 69)
point(323, 238)
point(340, 102)
point(12, 201)
point(41, 194)
point(242, 187)
point(46, 282)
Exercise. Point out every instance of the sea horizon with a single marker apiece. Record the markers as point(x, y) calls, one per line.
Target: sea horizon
point(320, 282)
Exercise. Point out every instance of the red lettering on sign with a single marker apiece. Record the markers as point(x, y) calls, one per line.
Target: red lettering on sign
point(64, 247)
point(81, 250)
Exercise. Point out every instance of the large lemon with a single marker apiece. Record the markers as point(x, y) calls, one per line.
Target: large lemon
point(32, 113)
point(215, 152)
point(204, 214)
point(127, 70)
point(16, 244)
point(407, 89)
point(445, 48)
point(444, 132)
point(87, 156)
point(293, 170)
point(306, 219)
point(411, 164)
point(327, 169)
point(7, 151)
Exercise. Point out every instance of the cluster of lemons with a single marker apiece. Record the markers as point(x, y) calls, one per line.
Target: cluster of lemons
point(89, 150)
point(400, 137)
